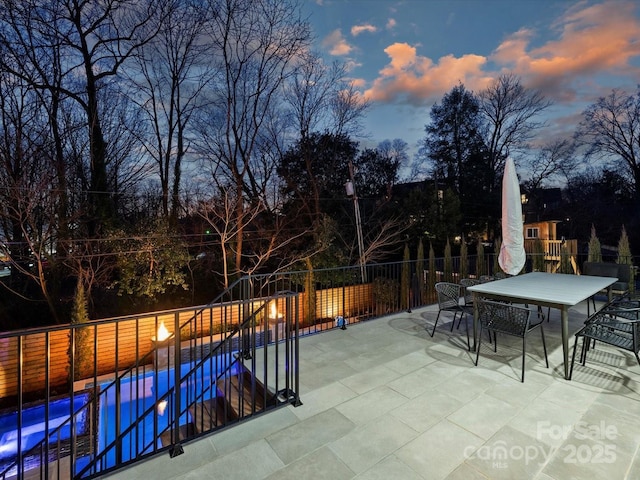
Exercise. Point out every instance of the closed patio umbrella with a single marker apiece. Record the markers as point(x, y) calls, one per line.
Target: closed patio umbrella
point(512, 255)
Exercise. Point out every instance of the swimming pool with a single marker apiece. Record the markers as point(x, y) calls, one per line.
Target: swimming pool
point(34, 427)
point(131, 413)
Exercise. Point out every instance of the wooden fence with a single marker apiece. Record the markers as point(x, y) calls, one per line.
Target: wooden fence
point(117, 344)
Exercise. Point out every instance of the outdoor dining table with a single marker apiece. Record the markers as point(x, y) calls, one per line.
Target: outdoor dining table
point(555, 290)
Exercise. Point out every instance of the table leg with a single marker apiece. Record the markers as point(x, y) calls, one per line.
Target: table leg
point(564, 318)
point(476, 299)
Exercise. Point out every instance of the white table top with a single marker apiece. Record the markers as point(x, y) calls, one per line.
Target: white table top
point(558, 288)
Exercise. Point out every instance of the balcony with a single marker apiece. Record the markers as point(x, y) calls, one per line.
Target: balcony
point(380, 397)
point(383, 399)
point(552, 252)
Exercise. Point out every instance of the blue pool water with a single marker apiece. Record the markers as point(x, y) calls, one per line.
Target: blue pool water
point(34, 426)
point(137, 395)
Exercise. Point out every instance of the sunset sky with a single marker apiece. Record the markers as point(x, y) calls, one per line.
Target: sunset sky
point(404, 55)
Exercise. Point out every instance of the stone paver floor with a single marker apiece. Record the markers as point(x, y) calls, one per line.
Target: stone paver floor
point(383, 399)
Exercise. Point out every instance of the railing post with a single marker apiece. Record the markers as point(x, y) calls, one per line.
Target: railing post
point(296, 349)
point(344, 304)
point(20, 465)
point(176, 448)
point(118, 426)
point(245, 297)
point(46, 405)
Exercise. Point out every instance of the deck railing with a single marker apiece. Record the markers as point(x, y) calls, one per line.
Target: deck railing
point(203, 377)
point(135, 394)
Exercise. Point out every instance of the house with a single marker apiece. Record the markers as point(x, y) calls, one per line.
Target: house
point(544, 234)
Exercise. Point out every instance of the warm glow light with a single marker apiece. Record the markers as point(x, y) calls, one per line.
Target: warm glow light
point(332, 308)
point(163, 333)
point(273, 311)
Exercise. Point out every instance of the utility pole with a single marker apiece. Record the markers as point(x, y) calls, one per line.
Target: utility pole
point(350, 187)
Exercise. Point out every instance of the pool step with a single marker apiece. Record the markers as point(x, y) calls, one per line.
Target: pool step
point(210, 414)
point(233, 402)
point(237, 390)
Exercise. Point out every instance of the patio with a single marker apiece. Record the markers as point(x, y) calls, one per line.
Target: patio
point(383, 399)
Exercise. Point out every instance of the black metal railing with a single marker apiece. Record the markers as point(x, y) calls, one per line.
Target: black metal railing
point(139, 411)
point(133, 396)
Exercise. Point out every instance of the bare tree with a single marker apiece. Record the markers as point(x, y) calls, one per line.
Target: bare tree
point(382, 237)
point(257, 44)
point(270, 236)
point(94, 38)
point(509, 110)
point(219, 213)
point(40, 61)
point(308, 92)
point(321, 97)
point(554, 160)
point(31, 258)
point(128, 165)
point(396, 151)
point(27, 206)
point(348, 108)
point(32, 229)
point(172, 71)
point(611, 130)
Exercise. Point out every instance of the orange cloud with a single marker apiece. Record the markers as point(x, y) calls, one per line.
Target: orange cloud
point(601, 38)
point(412, 77)
point(358, 29)
point(336, 44)
point(513, 48)
point(596, 39)
point(590, 46)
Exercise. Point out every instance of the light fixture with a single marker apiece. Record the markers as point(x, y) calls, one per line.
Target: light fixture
point(274, 316)
point(162, 335)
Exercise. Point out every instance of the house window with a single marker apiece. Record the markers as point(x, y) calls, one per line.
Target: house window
point(533, 233)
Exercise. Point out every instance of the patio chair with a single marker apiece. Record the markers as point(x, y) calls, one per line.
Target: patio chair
point(620, 288)
point(514, 320)
point(619, 314)
point(467, 295)
point(622, 308)
point(611, 328)
point(449, 301)
point(502, 275)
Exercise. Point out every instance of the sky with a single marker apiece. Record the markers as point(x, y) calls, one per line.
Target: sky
point(404, 55)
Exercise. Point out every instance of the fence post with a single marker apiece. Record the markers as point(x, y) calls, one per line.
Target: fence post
point(176, 447)
point(296, 349)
